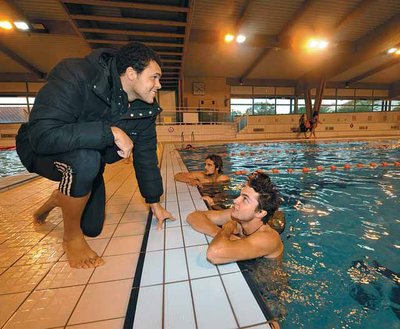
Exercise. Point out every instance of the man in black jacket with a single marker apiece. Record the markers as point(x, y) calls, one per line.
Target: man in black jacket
point(94, 111)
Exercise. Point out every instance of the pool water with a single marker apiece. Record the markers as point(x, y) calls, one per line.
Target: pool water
point(9, 163)
point(341, 266)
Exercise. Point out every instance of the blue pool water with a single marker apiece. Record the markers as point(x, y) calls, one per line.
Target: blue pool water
point(341, 264)
point(9, 163)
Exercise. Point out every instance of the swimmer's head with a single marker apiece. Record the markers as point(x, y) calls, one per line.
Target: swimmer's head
point(212, 164)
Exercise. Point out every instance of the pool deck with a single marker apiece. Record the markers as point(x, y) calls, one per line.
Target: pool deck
point(173, 283)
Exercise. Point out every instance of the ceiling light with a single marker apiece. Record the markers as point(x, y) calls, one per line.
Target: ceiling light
point(397, 52)
point(323, 44)
point(6, 25)
point(229, 37)
point(21, 26)
point(392, 50)
point(240, 38)
point(317, 44)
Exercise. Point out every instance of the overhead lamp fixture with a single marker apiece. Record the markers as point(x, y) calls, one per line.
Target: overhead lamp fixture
point(392, 50)
point(6, 25)
point(20, 25)
point(315, 44)
point(240, 38)
point(229, 38)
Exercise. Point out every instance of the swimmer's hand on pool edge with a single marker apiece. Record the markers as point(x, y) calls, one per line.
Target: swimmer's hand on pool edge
point(161, 214)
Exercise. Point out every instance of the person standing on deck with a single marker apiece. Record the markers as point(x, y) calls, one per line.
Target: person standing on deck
point(92, 111)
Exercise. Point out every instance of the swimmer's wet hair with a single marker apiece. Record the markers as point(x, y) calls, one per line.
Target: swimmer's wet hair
point(217, 162)
point(269, 198)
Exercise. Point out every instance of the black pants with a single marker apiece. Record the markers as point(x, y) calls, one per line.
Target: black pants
point(79, 173)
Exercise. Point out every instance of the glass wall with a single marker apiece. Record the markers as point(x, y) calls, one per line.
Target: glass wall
point(251, 102)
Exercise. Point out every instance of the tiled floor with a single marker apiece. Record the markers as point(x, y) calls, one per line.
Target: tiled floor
point(178, 287)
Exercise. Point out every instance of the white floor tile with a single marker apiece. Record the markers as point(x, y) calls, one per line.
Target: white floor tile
point(178, 312)
point(153, 268)
point(149, 308)
point(155, 240)
point(212, 312)
point(175, 265)
point(244, 305)
point(198, 265)
point(192, 237)
point(173, 238)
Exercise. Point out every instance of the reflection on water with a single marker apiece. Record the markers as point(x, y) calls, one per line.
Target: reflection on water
point(10, 164)
point(342, 244)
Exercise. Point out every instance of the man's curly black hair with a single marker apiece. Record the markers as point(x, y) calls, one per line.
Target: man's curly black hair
point(269, 198)
point(217, 162)
point(135, 55)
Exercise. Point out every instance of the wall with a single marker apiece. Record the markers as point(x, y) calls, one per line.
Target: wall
point(216, 90)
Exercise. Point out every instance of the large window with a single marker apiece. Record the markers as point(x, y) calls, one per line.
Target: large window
point(253, 101)
point(395, 105)
point(241, 106)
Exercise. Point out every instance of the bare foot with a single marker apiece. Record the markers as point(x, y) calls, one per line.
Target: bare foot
point(80, 255)
point(40, 215)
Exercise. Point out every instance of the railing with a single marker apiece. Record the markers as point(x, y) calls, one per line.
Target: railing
point(194, 115)
point(242, 123)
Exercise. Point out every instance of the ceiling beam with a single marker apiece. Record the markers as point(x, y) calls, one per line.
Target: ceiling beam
point(19, 77)
point(135, 33)
point(242, 15)
point(189, 19)
point(295, 18)
point(127, 20)
point(124, 42)
point(369, 46)
point(394, 90)
point(128, 5)
point(292, 21)
point(353, 14)
point(377, 69)
point(168, 53)
point(9, 53)
point(171, 60)
point(71, 21)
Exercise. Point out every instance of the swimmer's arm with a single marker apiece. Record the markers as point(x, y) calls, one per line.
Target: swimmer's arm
point(223, 178)
point(207, 221)
point(223, 250)
point(192, 178)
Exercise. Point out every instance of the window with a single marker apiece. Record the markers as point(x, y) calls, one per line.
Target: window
point(395, 105)
point(241, 106)
point(328, 106)
point(283, 105)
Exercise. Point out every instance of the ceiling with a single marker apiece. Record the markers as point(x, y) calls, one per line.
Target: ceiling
point(188, 35)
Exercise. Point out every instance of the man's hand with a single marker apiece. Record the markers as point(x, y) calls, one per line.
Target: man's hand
point(123, 142)
point(195, 182)
point(232, 227)
point(161, 214)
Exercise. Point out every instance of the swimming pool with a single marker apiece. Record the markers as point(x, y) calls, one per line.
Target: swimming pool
point(342, 240)
point(9, 163)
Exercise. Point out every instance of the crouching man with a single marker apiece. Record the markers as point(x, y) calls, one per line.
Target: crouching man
point(245, 232)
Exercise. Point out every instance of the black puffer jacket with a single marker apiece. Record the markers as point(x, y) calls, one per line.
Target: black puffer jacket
point(76, 108)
